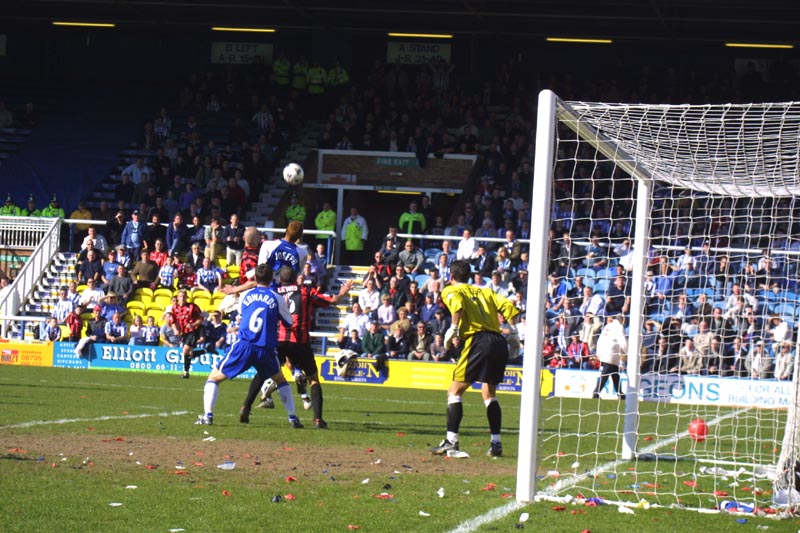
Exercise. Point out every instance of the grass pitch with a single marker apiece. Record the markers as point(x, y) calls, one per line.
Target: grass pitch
point(118, 451)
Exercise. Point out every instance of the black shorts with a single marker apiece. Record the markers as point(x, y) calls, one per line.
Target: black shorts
point(483, 359)
point(190, 339)
point(300, 355)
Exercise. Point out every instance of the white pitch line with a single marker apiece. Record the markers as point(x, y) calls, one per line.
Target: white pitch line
point(60, 421)
point(498, 513)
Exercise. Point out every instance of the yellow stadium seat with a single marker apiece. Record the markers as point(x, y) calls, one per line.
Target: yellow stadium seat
point(222, 263)
point(64, 332)
point(135, 306)
point(162, 291)
point(143, 291)
point(162, 300)
point(157, 314)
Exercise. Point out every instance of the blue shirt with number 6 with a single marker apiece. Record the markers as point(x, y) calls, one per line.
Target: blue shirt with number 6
point(261, 310)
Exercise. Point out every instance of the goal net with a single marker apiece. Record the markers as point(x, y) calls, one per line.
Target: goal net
point(677, 222)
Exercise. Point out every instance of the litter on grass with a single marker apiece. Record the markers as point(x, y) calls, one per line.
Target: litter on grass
point(227, 465)
point(440, 492)
point(423, 513)
point(524, 517)
point(457, 454)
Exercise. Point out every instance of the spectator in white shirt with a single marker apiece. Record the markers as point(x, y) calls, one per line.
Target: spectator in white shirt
point(467, 246)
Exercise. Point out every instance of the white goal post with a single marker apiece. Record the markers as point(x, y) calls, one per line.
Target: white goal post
point(686, 185)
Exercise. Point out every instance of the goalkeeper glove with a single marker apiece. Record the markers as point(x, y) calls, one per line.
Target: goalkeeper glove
point(451, 333)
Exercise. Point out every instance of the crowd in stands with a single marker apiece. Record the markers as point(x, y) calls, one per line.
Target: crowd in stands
point(703, 317)
point(399, 313)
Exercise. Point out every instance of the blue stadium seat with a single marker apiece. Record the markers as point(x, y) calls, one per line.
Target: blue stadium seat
point(421, 279)
point(432, 253)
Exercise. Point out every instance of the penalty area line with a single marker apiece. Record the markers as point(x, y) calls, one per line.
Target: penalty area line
point(498, 513)
point(61, 421)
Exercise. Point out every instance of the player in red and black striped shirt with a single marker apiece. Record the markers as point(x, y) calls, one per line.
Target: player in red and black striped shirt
point(252, 240)
point(294, 343)
point(188, 318)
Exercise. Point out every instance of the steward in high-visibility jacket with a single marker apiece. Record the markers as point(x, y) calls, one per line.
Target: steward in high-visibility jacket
point(299, 75)
point(325, 220)
point(53, 210)
point(295, 211)
point(8, 209)
point(280, 71)
point(30, 210)
point(317, 78)
point(337, 76)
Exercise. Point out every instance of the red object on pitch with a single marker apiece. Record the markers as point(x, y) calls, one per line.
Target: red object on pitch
point(698, 429)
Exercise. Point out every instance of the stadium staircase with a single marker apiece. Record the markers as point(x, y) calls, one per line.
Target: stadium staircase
point(269, 200)
point(328, 319)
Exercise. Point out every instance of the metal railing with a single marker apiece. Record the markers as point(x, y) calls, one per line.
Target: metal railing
point(46, 247)
point(23, 233)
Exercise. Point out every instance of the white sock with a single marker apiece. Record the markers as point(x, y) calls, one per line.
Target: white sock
point(495, 438)
point(452, 437)
point(287, 399)
point(210, 396)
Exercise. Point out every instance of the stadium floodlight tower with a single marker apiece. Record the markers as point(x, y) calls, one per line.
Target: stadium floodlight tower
point(704, 181)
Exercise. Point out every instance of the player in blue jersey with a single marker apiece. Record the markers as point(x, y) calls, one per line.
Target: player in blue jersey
point(285, 252)
point(261, 309)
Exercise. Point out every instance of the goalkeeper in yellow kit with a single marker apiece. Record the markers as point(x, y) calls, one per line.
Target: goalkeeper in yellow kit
point(484, 355)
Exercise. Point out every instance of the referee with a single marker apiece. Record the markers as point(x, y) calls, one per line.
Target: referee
point(484, 354)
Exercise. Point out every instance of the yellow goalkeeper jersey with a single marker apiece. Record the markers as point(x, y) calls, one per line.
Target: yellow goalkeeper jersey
point(479, 307)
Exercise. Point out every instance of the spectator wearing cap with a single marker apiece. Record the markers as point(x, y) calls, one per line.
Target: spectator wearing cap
point(53, 209)
point(8, 209)
point(95, 331)
point(122, 257)
point(110, 305)
point(30, 209)
point(134, 235)
point(79, 231)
